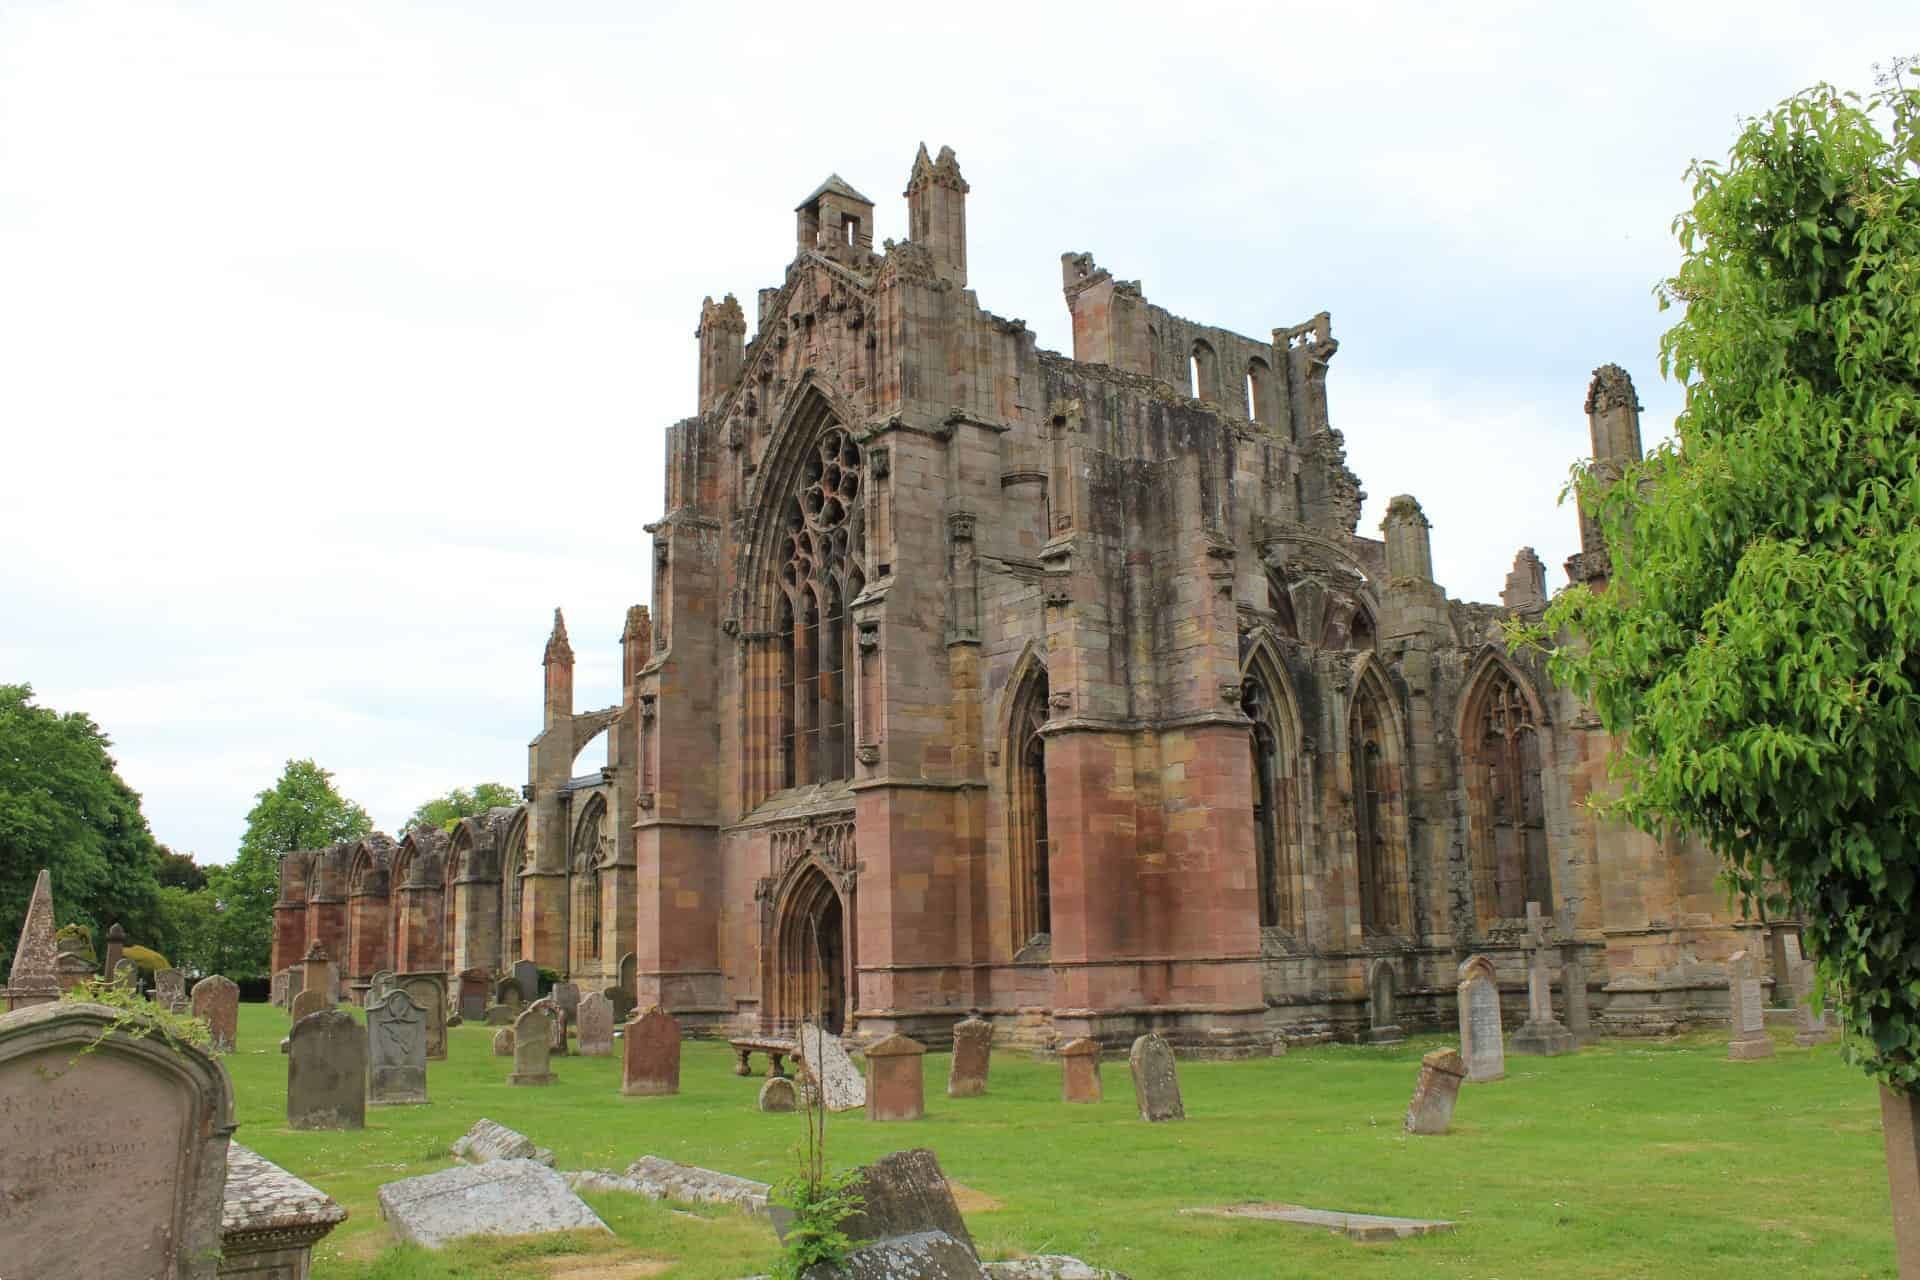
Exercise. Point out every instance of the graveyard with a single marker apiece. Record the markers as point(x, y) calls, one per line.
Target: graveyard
point(1626, 1158)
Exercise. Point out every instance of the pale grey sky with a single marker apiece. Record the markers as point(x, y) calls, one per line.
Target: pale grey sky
point(337, 341)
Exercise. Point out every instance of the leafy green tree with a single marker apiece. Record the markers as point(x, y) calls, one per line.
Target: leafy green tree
point(63, 807)
point(180, 870)
point(446, 811)
point(1757, 648)
point(300, 811)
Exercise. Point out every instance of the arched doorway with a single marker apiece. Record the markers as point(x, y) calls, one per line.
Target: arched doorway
point(811, 955)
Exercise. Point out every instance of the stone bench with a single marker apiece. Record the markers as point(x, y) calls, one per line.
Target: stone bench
point(747, 1046)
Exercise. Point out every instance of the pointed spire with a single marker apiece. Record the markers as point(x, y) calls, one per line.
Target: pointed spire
point(34, 979)
point(922, 171)
point(558, 650)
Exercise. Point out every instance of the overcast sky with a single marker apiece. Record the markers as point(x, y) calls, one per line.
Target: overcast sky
point(337, 340)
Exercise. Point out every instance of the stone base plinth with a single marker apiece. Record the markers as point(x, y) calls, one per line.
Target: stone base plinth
point(1807, 1039)
point(1541, 1040)
point(1747, 1048)
point(544, 1077)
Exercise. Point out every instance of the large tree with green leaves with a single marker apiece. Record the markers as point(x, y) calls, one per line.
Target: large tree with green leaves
point(64, 807)
point(300, 811)
point(1757, 648)
point(446, 811)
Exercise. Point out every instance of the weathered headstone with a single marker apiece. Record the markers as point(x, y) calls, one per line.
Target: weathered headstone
point(320, 973)
point(507, 991)
point(1080, 1071)
point(502, 1015)
point(383, 981)
point(561, 1027)
point(473, 994)
point(972, 1054)
point(622, 1001)
point(327, 1072)
point(1383, 1026)
point(1156, 1080)
point(1573, 975)
point(115, 1149)
point(396, 1051)
point(429, 991)
point(277, 993)
point(503, 1042)
point(35, 977)
point(488, 1140)
point(498, 1198)
point(1748, 1005)
point(566, 998)
point(650, 1049)
point(778, 1094)
point(1542, 1034)
point(840, 1084)
point(1482, 1043)
point(116, 943)
point(903, 1193)
point(896, 1079)
point(1811, 1025)
point(533, 1046)
point(70, 969)
point(309, 1001)
point(526, 976)
point(1431, 1109)
point(216, 1002)
point(596, 1025)
point(126, 975)
point(170, 990)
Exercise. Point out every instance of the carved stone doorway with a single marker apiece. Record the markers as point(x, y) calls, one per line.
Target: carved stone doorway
point(810, 955)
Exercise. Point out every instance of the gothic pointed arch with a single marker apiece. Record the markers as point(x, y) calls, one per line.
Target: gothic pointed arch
point(1376, 762)
point(369, 906)
point(513, 866)
point(419, 885)
point(592, 848)
point(1504, 747)
point(1024, 757)
point(1268, 700)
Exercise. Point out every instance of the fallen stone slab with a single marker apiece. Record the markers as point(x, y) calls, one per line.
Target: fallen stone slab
point(1050, 1266)
point(499, 1198)
point(490, 1141)
point(660, 1179)
point(923, 1255)
point(1366, 1228)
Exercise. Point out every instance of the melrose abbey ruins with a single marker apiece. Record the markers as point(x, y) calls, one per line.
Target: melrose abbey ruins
point(1063, 690)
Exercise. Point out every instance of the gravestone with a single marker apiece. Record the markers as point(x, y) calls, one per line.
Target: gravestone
point(502, 1015)
point(170, 990)
point(277, 994)
point(840, 1084)
point(498, 1198)
point(296, 981)
point(115, 1148)
point(1541, 1035)
point(126, 976)
point(526, 978)
point(116, 943)
point(320, 973)
point(596, 1025)
point(1080, 1071)
point(35, 977)
point(1481, 1039)
point(650, 1064)
point(507, 991)
point(72, 969)
point(896, 1079)
point(384, 980)
point(566, 998)
point(1383, 1027)
point(429, 991)
point(489, 1140)
point(1811, 1025)
point(309, 1001)
point(503, 1042)
point(533, 1046)
point(921, 1255)
point(622, 1001)
point(327, 1072)
point(1156, 1080)
point(396, 1051)
point(778, 1094)
point(216, 1002)
point(1748, 1005)
point(1431, 1109)
point(903, 1193)
point(271, 1220)
point(473, 994)
point(1573, 975)
point(558, 1045)
point(972, 1054)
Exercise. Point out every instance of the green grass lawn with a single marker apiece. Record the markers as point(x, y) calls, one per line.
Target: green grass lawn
point(1632, 1158)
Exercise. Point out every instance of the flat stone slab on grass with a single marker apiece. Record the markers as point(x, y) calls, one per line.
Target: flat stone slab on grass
point(1049, 1266)
point(661, 1179)
point(499, 1198)
point(1366, 1228)
point(488, 1140)
point(924, 1255)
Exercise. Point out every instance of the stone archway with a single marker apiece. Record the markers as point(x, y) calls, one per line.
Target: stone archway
point(811, 954)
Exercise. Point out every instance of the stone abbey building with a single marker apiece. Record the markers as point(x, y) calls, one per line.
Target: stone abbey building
point(977, 677)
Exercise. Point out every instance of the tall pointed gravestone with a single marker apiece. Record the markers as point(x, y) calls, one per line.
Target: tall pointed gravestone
point(327, 1072)
point(35, 977)
point(1542, 1034)
point(115, 1155)
point(1481, 1044)
point(396, 1051)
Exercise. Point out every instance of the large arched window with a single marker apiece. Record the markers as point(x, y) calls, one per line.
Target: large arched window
point(1506, 804)
point(1276, 816)
point(590, 847)
point(820, 577)
point(1379, 827)
point(1259, 392)
point(1032, 865)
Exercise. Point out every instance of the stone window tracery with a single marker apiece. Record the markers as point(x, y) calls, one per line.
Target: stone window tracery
point(1275, 814)
point(1507, 802)
point(1380, 848)
point(821, 574)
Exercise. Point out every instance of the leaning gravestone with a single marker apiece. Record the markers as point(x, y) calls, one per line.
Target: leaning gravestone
point(650, 1065)
point(216, 1002)
point(396, 1051)
point(596, 1026)
point(498, 1198)
point(972, 1053)
point(526, 976)
point(904, 1193)
point(429, 991)
point(1156, 1080)
point(1481, 1042)
point(1080, 1071)
point(170, 990)
point(1750, 1038)
point(309, 1001)
point(778, 1094)
point(533, 1046)
point(838, 1081)
point(116, 1149)
point(503, 1042)
point(1431, 1109)
point(327, 1072)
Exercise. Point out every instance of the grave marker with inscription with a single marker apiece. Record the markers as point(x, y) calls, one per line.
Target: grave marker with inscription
point(596, 1025)
point(396, 1051)
point(526, 977)
point(327, 1072)
point(650, 1064)
point(429, 991)
point(216, 1002)
point(972, 1055)
point(1748, 1003)
point(170, 990)
point(1156, 1080)
point(1431, 1109)
point(1482, 1045)
point(896, 1079)
point(533, 1045)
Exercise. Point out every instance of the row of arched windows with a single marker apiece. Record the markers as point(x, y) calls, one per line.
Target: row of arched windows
point(1203, 382)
